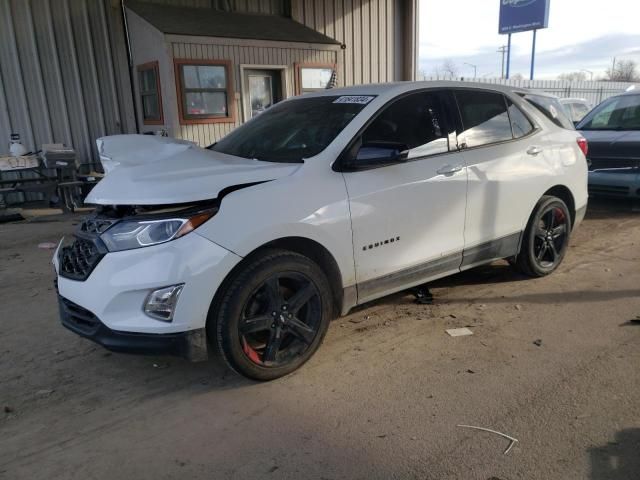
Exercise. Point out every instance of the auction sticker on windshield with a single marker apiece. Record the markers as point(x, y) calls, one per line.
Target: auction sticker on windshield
point(360, 99)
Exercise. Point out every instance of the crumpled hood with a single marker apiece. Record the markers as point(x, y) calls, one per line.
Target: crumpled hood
point(153, 170)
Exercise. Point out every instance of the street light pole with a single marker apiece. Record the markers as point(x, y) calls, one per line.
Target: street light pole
point(475, 68)
point(589, 72)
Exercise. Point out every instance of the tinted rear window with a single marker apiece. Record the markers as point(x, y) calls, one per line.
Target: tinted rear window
point(551, 108)
point(484, 117)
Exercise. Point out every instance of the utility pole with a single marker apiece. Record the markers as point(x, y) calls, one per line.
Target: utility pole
point(502, 50)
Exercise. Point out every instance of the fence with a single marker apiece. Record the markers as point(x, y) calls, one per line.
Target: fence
point(594, 92)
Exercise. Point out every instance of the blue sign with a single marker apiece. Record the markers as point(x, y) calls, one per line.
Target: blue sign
point(523, 15)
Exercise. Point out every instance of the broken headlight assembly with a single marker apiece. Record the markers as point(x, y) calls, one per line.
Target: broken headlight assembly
point(131, 233)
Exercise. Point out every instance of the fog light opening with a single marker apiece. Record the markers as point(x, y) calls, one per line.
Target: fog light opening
point(160, 304)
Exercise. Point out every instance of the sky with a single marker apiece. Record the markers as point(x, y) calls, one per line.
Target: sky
point(582, 34)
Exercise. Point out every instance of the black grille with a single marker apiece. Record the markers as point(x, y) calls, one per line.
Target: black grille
point(609, 190)
point(96, 225)
point(76, 318)
point(78, 260)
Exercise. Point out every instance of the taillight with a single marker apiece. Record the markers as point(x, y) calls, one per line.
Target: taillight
point(583, 144)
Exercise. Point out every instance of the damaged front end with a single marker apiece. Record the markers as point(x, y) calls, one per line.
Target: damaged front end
point(118, 228)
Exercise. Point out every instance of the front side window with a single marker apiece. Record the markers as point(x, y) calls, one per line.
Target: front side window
point(149, 85)
point(315, 77)
point(415, 123)
point(293, 130)
point(618, 113)
point(204, 91)
point(484, 118)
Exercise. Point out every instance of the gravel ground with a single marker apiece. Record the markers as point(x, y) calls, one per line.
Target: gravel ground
point(552, 362)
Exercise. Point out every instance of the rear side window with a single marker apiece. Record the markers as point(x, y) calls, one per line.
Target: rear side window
point(551, 108)
point(520, 124)
point(484, 118)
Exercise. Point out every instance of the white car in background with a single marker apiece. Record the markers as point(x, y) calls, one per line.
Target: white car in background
point(321, 203)
point(577, 108)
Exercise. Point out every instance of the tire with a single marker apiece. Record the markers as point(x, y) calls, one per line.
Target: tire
point(272, 316)
point(545, 239)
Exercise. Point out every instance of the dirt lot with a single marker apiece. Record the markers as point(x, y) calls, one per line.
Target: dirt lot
point(381, 399)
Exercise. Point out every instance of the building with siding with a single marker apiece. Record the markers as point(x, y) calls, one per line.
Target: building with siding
point(75, 70)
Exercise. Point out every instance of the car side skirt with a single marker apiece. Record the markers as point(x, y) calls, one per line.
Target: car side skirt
point(369, 290)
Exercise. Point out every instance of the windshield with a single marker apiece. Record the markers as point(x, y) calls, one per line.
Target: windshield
point(293, 130)
point(551, 108)
point(618, 113)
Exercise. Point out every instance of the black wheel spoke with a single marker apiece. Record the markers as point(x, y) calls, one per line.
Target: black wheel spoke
point(541, 233)
point(301, 330)
point(552, 219)
point(542, 252)
point(559, 230)
point(272, 289)
point(301, 297)
point(256, 324)
point(273, 345)
point(553, 250)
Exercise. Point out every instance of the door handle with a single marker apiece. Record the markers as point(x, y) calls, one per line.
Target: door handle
point(449, 169)
point(534, 151)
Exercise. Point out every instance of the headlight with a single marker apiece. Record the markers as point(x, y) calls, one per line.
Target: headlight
point(129, 234)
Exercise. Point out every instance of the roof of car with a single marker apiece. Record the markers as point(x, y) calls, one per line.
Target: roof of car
point(208, 22)
point(400, 87)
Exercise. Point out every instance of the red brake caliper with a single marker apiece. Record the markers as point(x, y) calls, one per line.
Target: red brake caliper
point(250, 352)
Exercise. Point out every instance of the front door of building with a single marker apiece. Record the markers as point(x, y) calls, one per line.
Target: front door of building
point(263, 88)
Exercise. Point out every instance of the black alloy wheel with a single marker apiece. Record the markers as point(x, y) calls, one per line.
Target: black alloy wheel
point(273, 314)
point(281, 319)
point(546, 238)
point(550, 236)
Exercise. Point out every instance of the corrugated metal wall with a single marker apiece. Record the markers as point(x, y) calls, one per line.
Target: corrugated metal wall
point(63, 73)
point(205, 134)
point(368, 29)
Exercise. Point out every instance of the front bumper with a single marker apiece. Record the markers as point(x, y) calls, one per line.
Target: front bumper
point(116, 289)
point(609, 183)
point(191, 345)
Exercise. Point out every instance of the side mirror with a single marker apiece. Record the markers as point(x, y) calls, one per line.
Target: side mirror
point(379, 154)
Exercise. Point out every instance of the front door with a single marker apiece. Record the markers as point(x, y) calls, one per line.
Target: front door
point(408, 217)
point(262, 88)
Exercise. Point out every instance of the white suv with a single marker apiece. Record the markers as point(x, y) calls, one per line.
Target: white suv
point(321, 203)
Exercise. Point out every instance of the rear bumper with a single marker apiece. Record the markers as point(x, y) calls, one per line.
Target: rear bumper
point(191, 344)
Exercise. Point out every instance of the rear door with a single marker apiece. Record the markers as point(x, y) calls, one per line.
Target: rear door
point(499, 150)
point(408, 217)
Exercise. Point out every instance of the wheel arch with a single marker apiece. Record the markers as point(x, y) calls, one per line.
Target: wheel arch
point(564, 194)
point(303, 246)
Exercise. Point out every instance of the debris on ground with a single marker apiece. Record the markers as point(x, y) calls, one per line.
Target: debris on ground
point(160, 365)
point(423, 295)
point(8, 409)
point(47, 245)
point(470, 371)
point(511, 444)
point(459, 332)
point(44, 393)
point(518, 307)
point(359, 319)
point(537, 342)
point(636, 320)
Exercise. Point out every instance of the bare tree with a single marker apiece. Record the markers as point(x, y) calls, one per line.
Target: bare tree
point(573, 77)
point(449, 68)
point(622, 71)
point(516, 76)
